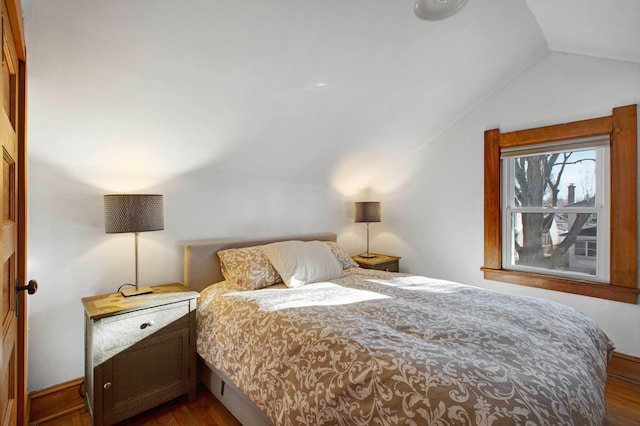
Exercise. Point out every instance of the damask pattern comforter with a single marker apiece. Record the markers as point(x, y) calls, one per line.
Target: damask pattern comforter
point(382, 348)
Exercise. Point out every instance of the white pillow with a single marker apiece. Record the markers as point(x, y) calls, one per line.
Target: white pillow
point(303, 262)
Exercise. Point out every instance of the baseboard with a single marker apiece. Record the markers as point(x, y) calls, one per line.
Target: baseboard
point(625, 367)
point(50, 403)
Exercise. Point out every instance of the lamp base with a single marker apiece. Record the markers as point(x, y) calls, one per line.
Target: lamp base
point(136, 292)
point(367, 255)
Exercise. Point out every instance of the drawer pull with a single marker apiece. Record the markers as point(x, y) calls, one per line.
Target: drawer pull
point(146, 324)
point(107, 386)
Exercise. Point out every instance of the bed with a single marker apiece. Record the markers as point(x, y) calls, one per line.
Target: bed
point(374, 347)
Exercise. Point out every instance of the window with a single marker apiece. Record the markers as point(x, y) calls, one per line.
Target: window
point(561, 206)
point(553, 199)
point(586, 249)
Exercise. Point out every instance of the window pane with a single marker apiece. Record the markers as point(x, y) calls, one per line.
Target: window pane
point(555, 242)
point(560, 179)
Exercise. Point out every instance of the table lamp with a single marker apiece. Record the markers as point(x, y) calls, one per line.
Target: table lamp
point(367, 212)
point(133, 213)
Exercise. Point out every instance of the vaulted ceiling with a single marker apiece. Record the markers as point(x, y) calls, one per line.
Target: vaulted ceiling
point(280, 88)
point(608, 29)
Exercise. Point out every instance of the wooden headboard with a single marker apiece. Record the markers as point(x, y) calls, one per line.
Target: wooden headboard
point(202, 266)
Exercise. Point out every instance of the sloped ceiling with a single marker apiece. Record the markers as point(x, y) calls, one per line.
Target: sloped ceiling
point(308, 90)
point(608, 29)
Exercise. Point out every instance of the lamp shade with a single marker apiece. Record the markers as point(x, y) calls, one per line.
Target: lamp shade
point(368, 211)
point(133, 213)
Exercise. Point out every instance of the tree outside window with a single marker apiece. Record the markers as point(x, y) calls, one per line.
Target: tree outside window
point(552, 209)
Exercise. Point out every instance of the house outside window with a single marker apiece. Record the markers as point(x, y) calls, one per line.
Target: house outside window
point(586, 248)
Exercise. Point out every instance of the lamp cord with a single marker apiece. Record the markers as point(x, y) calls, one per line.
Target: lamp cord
point(124, 285)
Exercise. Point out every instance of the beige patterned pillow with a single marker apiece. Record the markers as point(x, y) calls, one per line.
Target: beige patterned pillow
point(345, 260)
point(248, 268)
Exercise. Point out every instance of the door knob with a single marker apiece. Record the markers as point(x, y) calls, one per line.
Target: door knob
point(31, 287)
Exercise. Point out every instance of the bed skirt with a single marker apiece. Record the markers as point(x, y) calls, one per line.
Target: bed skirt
point(238, 404)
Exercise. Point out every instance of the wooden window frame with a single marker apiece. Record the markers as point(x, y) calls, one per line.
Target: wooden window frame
point(622, 130)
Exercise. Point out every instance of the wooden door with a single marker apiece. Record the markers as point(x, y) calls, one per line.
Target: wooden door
point(13, 224)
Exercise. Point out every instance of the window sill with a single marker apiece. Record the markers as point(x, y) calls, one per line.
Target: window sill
point(584, 288)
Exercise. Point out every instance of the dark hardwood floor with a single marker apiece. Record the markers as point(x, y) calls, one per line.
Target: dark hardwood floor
point(206, 410)
point(623, 409)
point(623, 402)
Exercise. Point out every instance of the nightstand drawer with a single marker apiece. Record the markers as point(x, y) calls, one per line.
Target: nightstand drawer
point(391, 266)
point(115, 333)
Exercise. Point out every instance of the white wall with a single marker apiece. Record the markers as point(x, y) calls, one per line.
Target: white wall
point(435, 219)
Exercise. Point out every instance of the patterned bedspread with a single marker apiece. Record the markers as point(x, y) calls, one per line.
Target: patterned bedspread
point(383, 348)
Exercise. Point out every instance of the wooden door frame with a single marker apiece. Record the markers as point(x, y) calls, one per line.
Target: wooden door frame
point(14, 12)
point(23, 416)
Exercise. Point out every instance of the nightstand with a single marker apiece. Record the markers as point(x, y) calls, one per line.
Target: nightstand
point(139, 351)
point(381, 262)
